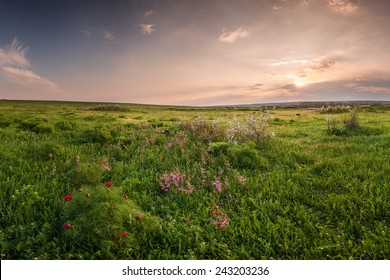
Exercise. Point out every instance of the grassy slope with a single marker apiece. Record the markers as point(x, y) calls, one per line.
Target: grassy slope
point(310, 195)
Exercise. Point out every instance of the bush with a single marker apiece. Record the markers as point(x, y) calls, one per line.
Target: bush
point(102, 220)
point(335, 109)
point(218, 148)
point(111, 107)
point(253, 128)
point(205, 131)
point(246, 156)
point(352, 123)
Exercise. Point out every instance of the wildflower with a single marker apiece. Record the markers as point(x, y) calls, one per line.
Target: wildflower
point(106, 166)
point(68, 197)
point(218, 185)
point(220, 219)
point(67, 226)
point(221, 222)
point(109, 184)
point(139, 218)
point(124, 233)
point(125, 196)
point(241, 179)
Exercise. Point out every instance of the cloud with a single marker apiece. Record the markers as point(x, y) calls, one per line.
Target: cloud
point(14, 54)
point(149, 13)
point(14, 66)
point(346, 7)
point(370, 86)
point(26, 77)
point(87, 32)
point(292, 61)
point(230, 37)
point(109, 36)
point(147, 28)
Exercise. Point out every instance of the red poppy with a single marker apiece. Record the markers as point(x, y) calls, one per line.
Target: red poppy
point(68, 197)
point(67, 226)
point(124, 233)
point(126, 196)
point(139, 218)
point(109, 184)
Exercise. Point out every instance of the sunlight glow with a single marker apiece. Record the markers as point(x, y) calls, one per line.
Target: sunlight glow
point(299, 83)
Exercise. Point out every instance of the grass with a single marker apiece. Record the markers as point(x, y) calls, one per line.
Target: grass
point(181, 190)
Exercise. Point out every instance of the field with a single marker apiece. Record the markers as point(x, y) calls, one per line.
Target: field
point(106, 181)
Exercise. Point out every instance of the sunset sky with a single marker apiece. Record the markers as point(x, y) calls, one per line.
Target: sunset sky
point(199, 52)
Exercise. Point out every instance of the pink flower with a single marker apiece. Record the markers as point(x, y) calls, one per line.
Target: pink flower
point(241, 179)
point(68, 197)
point(109, 184)
point(67, 226)
point(106, 166)
point(139, 218)
point(218, 185)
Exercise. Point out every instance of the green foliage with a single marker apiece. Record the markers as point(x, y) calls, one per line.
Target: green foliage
point(37, 126)
point(247, 156)
point(66, 125)
point(218, 148)
point(98, 134)
point(304, 195)
point(45, 150)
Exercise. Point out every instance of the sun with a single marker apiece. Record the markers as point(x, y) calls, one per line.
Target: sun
point(299, 83)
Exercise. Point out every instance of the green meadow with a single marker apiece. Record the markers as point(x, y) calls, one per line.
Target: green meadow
point(122, 181)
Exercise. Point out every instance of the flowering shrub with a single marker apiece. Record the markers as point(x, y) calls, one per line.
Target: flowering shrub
point(253, 128)
point(205, 130)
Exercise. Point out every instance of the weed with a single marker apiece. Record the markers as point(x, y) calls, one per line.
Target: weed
point(352, 123)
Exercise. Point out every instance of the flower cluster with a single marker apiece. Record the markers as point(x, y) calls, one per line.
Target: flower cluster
point(220, 219)
point(178, 180)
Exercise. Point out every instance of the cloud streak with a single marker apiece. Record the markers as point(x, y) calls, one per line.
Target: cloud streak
point(147, 28)
point(14, 54)
point(346, 7)
point(108, 36)
point(14, 67)
point(232, 36)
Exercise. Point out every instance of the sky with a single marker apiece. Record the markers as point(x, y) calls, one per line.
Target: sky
point(199, 52)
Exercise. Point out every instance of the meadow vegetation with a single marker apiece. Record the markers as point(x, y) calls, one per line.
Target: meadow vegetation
point(117, 181)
